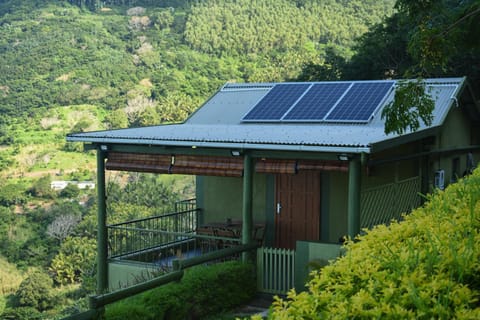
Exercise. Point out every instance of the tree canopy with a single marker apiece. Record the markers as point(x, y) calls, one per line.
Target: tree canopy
point(163, 59)
point(422, 39)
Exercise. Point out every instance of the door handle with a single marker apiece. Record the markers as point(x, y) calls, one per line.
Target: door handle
point(279, 207)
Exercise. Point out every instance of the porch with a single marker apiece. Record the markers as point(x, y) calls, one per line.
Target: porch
point(143, 249)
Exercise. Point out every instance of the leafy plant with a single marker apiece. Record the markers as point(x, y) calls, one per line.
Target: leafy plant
point(75, 258)
point(425, 267)
point(204, 290)
point(410, 105)
point(10, 277)
point(36, 291)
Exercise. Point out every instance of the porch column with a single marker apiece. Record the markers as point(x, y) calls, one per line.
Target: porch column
point(354, 181)
point(247, 215)
point(102, 242)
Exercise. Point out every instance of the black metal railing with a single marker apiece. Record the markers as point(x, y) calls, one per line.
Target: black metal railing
point(141, 235)
point(186, 205)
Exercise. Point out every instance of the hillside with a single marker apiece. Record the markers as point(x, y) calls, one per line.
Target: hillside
point(56, 54)
point(71, 66)
point(142, 65)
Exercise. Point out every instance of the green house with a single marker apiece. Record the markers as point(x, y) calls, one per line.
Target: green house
point(292, 167)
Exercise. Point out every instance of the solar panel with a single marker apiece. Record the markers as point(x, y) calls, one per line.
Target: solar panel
point(360, 102)
point(317, 102)
point(276, 102)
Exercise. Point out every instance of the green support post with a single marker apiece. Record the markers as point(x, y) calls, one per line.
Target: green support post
point(354, 183)
point(102, 241)
point(247, 205)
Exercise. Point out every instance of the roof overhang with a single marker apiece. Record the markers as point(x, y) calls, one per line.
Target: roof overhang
point(216, 129)
point(404, 139)
point(204, 148)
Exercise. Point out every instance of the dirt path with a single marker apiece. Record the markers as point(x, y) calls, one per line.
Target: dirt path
point(33, 174)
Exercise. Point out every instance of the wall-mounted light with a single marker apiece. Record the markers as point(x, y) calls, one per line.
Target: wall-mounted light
point(103, 147)
point(235, 153)
point(343, 157)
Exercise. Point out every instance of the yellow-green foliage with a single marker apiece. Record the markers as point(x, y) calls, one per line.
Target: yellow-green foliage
point(425, 267)
point(10, 277)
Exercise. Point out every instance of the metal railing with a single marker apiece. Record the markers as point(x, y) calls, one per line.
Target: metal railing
point(98, 302)
point(142, 235)
point(180, 246)
point(186, 205)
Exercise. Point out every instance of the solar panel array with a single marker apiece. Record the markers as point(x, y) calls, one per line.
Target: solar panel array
point(276, 102)
point(317, 102)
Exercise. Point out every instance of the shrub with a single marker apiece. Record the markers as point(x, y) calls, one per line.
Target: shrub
point(204, 290)
point(75, 259)
point(36, 292)
point(24, 313)
point(426, 267)
point(70, 191)
point(10, 278)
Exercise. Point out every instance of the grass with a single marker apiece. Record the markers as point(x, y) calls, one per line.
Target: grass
point(10, 278)
point(39, 145)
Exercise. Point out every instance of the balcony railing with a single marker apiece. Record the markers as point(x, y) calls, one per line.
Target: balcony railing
point(143, 235)
point(164, 238)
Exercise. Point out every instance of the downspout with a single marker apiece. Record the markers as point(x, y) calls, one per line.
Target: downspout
point(354, 183)
point(102, 242)
point(247, 215)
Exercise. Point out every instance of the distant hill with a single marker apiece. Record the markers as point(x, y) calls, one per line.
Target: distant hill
point(138, 54)
point(69, 66)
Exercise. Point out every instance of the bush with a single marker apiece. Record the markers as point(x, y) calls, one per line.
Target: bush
point(41, 188)
point(36, 292)
point(204, 290)
point(10, 278)
point(426, 267)
point(70, 191)
point(22, 313)
point(75, 259)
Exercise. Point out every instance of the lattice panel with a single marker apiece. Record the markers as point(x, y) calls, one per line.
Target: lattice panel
point(384, 203)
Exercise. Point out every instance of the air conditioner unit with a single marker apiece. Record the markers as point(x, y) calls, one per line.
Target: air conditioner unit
point(440, 179)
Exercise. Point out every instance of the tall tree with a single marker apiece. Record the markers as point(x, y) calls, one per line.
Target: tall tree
point(423, 39)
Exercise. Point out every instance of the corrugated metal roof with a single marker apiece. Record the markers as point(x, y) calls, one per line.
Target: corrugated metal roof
point(218, 124)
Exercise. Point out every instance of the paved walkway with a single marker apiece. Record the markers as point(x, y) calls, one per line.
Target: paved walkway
point(259, 305)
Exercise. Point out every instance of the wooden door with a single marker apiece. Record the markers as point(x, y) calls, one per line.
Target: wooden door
point(297, 206)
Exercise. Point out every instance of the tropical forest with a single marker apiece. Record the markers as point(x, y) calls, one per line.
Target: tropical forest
point(70, 66)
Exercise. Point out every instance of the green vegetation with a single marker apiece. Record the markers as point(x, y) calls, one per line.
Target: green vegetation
point(10, 279)
point(426, 267)
point(56, 54)
point(72, 66)
point(83, 65)
point(54, 231)
point(203, 291)
point(36, 292)
point(421, 39)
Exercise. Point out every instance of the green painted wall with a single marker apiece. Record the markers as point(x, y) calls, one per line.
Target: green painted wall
point(221, 198)
point(122, 274)
point(456, 133)
point(312, 255)
point(334, 206)
point(393, 171)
